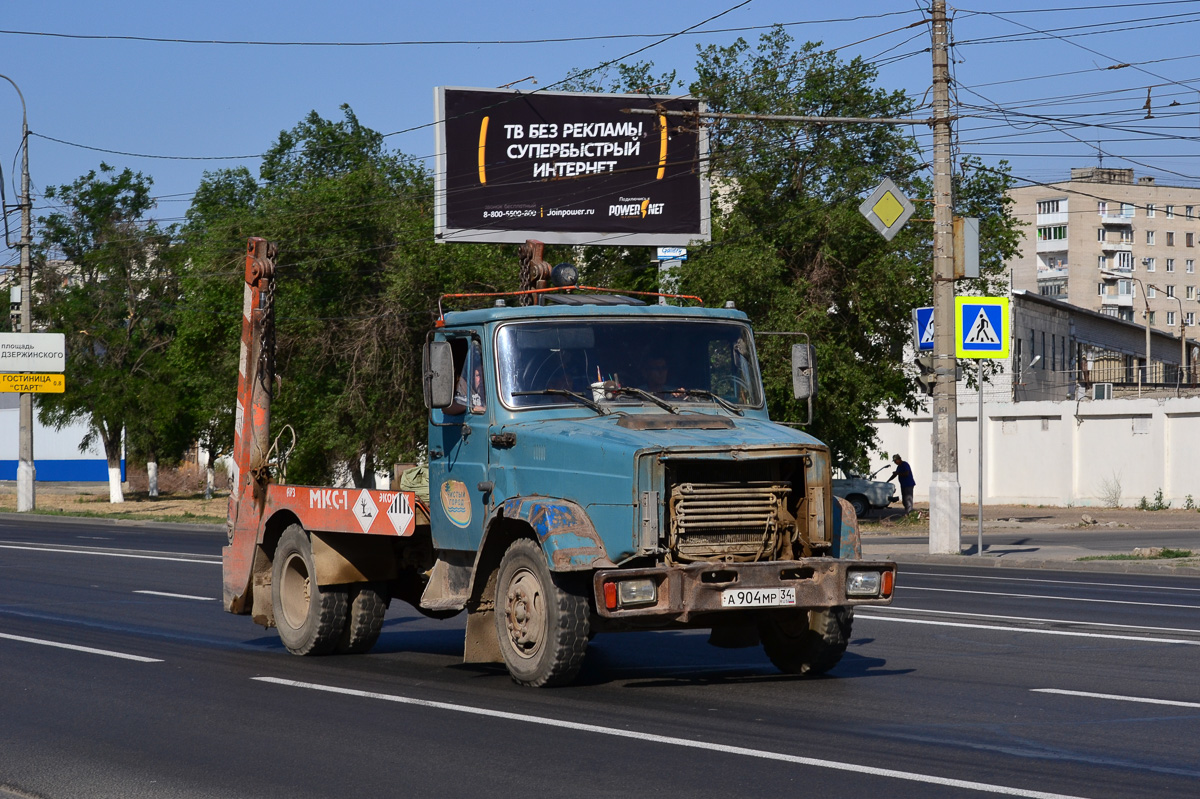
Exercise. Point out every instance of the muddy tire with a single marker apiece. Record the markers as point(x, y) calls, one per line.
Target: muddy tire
point(542, 628)
point(310, 620)
point(807, 642)
point(365, 608)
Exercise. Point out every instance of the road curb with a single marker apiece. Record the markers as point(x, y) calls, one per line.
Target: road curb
point(1164, 567)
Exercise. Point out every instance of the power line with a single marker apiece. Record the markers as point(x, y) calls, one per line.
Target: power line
point(442, 42)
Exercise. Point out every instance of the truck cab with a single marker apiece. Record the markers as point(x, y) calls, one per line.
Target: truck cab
point(629, 445)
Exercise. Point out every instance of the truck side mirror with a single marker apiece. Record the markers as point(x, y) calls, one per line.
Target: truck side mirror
point(437, 370)
point(804, 371)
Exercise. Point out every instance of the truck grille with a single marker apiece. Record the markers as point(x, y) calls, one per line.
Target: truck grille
point(725, 521)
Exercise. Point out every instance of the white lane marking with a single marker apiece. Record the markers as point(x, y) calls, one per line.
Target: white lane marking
point(1115, 697)
point(672, 741)
point(894, 609)
point(1056, 582)
point(111, 554)
point(89, 650)
point(178, 596)
point(1035, 630)
point(1059, 598)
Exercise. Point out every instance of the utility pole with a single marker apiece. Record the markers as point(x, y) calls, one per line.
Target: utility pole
point(26, 474)
point(945, 492)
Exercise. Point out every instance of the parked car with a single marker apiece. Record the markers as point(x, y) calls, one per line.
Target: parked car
point(864, 493)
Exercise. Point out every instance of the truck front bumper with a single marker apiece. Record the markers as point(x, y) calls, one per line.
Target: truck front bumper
point(680, 592)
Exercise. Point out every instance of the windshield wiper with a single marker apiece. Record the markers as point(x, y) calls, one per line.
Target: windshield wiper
point(563, 392)
point(638, 392)
point(724, 403)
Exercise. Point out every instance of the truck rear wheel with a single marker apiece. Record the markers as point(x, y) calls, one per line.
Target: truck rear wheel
point(542, 628)
point(806, 641)
point(365, 608)
point(310, 619)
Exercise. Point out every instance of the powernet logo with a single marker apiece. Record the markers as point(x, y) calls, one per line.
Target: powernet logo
point(635, 208)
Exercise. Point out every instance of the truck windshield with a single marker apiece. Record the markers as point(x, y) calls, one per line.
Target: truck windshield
point(666, 358)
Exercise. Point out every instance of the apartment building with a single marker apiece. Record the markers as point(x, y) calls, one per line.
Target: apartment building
point(1109, 243)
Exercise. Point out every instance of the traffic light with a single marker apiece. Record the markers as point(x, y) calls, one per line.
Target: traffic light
point(925, 375)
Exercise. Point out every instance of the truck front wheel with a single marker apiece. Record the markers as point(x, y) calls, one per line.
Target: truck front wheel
point(542, 627)
point(806, 641)
point(310, 620)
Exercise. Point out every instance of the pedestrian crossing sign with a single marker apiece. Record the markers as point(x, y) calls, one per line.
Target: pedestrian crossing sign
point(981, 327)
point(923, 329)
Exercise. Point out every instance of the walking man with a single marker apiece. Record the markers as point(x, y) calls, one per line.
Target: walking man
point(904, 472)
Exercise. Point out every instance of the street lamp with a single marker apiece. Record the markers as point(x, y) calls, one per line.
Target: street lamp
point(1145, 313)
point(26, 474)
point(1182, 339)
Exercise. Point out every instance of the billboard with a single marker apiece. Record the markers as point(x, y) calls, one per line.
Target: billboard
point(569, 168)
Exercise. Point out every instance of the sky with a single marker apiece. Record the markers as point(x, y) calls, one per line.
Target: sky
point(1046, 85)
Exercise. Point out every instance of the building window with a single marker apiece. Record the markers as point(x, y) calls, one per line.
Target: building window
point(1102, 208)
point(1170, 264)
point(1189, 239)
point(1102, 262)
point(1150, 237)
point(1189, 319)
point(1149, 210)
point(1125, 261)
point(1170, 291)
point(1125, 288)
point(1190, 265)
point(1127, 236)
point(1048, 206)
point(1100, 234)
point(1187, 212)
point(1170, 209)
point(1127, 210)
point(1151, 292)
point(1151, 317)
point(1054, 233)
point(1170, 238)
point(1100, 289)
point(1170, 319)
point(1150, 264)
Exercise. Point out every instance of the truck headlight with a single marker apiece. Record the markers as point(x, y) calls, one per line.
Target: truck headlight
point(863, 583)
point(636, 592)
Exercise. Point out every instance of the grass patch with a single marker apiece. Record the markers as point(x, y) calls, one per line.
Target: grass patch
point(187, 517)
point(1166, 554)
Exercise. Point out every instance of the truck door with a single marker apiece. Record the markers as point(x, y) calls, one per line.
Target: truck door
point(458, 451)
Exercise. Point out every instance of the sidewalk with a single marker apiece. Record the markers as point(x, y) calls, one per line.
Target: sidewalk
point(880, 529)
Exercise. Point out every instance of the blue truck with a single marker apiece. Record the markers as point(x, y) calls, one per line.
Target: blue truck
point(596, 465)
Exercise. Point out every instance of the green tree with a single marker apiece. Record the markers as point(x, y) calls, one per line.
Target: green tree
point(358, 277)
point(106, 282)
point(211, 254)
point(789, 245)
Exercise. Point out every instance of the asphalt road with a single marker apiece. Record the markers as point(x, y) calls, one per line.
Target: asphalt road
point(120, 676)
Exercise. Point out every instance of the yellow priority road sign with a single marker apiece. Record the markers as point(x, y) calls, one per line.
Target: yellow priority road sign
point(887, 209)
point(25, 383)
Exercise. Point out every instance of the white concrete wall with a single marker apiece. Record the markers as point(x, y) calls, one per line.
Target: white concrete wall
point(56, 453)
point(1063, 453)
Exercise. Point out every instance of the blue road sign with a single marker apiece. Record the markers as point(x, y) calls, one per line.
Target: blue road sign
point(923, 329)
point(981, 327)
